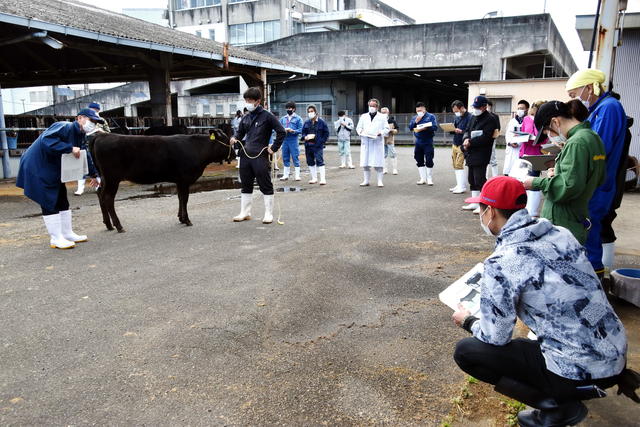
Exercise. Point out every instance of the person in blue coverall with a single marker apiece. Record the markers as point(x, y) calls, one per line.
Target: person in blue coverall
point(40, 174)
point(609, 121)
point(292, 124)
point(424, 126)
point(315, 134)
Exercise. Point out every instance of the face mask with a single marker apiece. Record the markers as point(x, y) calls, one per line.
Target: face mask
point(420, 113)
point(458, 113)
point(520, 113)
point(560, 139)
point(250, 107)
point(89, 126)
point(312, 115)
point(585, 103)
point(477, 111)
point(373, 110)
point(485, 228)
point(290, 112)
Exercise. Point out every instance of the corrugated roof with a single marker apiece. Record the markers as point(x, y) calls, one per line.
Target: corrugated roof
point(81, 16)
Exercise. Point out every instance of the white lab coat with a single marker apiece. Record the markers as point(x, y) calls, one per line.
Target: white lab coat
point(511, 154)
point(372, 149)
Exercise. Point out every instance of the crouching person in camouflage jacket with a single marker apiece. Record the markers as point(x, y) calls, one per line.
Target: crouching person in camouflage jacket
point(540, 274)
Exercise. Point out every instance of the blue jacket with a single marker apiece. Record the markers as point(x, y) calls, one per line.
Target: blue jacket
point(320, 129)
point(40, 165)
point(461, 123)
point(295, 124)
point(608, 119)
point(426, 136)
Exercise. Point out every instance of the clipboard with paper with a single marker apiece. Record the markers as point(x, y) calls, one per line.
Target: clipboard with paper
point(72, 169)
point(466, 291)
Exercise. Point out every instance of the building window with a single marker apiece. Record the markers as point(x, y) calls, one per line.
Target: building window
point(219, 109)
point(191, 4)
point(198, 33)
point(501, 105)
point(212, 34)
point(206, 110)
point(254, 32)
point(232, 109)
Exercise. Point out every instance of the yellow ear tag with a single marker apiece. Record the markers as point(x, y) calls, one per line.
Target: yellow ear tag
point(212, 137)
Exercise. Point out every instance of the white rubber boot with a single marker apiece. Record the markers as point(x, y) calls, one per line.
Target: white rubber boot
point(472, 206)
point(533, 202)
point(268, 209)
point(323, 175)
point(367, 176)
point(285, 173)
point(350, 162)
point(238, 161)
point(80, 189)
point(52, 222)
point(429, 176)
point(384, 168)
point(245, 208)
point(343, 162)
point(297, 173)
point(608, 255)
point(380, 175)
point(67, 229)
point(422, 170)
point(461, 186)
point(494, 170)
point(313, 173)
point(394, 165)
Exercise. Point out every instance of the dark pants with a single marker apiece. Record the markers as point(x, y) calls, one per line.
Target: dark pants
point(256, 169)
point(423, 154)
point(314, 154)
point(521, 360)
point(62, 203)
point(477, 177)
point(607, 233)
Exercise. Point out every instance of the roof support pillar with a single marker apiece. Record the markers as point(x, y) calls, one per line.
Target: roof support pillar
point(6, 166)
point(160, 91)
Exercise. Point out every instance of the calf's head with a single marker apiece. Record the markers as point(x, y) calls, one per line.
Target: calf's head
point(222, 146)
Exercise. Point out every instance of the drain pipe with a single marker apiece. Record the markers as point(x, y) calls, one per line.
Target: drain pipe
point(6, 166)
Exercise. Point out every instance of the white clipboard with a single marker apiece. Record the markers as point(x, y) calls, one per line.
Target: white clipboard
point(466, 291)
point(73, 169)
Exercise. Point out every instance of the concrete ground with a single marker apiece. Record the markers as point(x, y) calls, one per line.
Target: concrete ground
point(331, 318)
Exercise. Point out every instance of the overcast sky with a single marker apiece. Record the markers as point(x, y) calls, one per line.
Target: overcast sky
point(424, 11)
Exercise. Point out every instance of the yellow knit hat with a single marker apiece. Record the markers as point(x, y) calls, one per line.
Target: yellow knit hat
point(586, 77)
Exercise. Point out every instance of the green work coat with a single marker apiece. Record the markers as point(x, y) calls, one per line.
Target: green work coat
point(579, 170)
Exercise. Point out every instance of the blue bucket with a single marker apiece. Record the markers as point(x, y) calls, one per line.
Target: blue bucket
point(629, 272)
point(12, 142)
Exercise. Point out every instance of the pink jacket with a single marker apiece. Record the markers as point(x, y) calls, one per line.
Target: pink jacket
point(527, 148)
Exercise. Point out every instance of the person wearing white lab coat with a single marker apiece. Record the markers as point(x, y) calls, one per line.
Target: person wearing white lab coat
point(512, 149)
point(372, 128)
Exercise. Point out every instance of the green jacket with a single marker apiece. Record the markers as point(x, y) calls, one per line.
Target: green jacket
point(579, 170)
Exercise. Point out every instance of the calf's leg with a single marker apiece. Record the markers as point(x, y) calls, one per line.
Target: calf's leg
point(103, 208)
point(183, 199)
point(111, 188)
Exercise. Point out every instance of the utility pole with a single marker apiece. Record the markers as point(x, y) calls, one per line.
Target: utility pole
point(608, 36)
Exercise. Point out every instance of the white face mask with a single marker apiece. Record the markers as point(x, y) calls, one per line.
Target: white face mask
point(89, 126)
point(249, 106)
point(477, 111)
point(520, 113)
point(373, 110)
point(560, 139)
point(312, 115)
point(486, 228)
point(458, 113)
point(586, 102)
point(420, 113)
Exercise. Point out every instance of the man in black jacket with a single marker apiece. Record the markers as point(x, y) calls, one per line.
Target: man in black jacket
point(256, 128)
point(478, 142)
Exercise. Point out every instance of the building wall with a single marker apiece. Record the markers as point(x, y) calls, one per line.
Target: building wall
point(515, 90)
point(626, 79)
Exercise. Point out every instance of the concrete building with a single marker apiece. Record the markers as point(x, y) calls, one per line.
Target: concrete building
point(252, 22)
point(626, 72)
point(404, 64)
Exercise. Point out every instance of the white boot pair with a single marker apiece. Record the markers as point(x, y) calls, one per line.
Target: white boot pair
point(426, 175)
point(61, 231)
point(245, 208)
point(475, 207)
point(461, 184)
point(287, 171)
point(314, 171)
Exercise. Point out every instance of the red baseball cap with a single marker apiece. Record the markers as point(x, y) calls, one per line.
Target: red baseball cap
point(502, 192)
